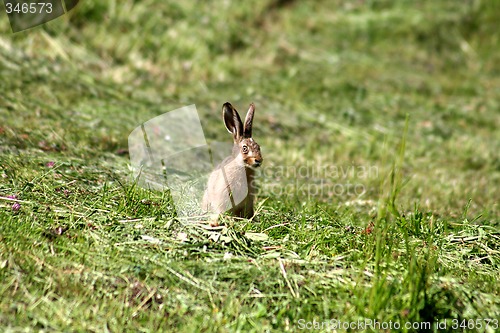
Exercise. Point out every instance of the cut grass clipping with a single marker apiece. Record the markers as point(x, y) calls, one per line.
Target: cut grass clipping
point(378, 201)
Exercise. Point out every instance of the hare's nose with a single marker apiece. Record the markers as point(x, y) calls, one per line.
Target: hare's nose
point(257, 162)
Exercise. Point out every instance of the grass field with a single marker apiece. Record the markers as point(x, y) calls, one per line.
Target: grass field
point(378, 123)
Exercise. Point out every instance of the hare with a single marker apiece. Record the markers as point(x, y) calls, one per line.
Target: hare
point(231, 187)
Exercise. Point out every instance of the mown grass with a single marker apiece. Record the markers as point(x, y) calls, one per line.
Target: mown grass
point(397, 98)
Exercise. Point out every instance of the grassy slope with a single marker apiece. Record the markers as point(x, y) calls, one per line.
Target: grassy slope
point(333, 83)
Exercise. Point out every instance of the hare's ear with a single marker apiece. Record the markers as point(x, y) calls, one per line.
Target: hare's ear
point(232, 120)
point(247, 130)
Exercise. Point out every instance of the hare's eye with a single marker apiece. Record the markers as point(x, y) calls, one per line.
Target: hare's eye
point(244, 149)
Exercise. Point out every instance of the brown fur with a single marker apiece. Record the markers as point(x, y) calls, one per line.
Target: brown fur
point(234, 177)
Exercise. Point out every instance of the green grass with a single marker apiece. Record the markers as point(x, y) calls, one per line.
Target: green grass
point(396, 97)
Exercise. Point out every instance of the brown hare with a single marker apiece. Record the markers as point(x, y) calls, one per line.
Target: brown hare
point(231, 188)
